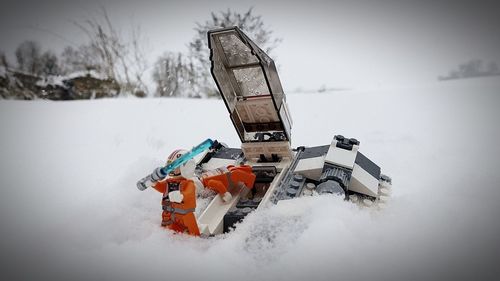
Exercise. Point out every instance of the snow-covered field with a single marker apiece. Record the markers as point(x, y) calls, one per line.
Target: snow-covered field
point(69, 208)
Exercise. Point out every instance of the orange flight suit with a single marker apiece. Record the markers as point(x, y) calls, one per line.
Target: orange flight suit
point(221, 179)
point(179, 216)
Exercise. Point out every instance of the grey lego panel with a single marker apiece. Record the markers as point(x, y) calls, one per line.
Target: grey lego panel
point(315, 151)
point(292, 188)
point(367, 165)
point(228, 153)
point(291, 184)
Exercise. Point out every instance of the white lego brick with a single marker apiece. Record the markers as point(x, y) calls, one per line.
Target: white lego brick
point(311, 168)
point(212, 217)
point(341, 157)
point(363, 182)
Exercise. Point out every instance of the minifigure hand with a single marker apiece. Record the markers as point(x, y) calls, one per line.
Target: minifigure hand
point(175, 196)
point(226, 197)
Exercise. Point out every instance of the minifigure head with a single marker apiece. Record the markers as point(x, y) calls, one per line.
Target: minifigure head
point(176, 154)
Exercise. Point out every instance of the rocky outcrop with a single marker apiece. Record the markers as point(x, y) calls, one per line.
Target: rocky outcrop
point(22, 86)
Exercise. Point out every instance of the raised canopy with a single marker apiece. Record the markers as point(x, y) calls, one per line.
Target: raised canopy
point(249, 84)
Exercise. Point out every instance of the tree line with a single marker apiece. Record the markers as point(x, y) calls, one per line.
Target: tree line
point(110, 56)
point(472, 68)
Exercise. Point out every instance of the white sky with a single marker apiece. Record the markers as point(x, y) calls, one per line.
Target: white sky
point(333, 43)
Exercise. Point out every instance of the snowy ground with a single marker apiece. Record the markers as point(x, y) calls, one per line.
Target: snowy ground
point(69, 208)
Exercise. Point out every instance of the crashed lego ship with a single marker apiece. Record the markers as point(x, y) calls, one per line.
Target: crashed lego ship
point(248, 82)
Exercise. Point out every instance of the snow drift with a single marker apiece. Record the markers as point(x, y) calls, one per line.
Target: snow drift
point(69, 208)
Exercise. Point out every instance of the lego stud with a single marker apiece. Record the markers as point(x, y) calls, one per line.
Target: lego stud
point(385, 184)
point(298, 177)
point(384, 191)
point(246, 210)
point(381, 206)
point(383, 198)
point(310, 186)
point(385, 178)
point(367, 202)
point(353, 141)
point(291, 192)
point(295, 185)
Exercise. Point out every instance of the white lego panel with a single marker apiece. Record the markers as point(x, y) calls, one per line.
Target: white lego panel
point(311, 168)
point(253, 150)
point(363, 182)
point(215, 163)
point(211, 220)
point(341, 157)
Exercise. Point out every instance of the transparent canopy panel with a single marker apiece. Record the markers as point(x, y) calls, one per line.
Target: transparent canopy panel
point(251, 81)
point(237, 53)
point(249, 84)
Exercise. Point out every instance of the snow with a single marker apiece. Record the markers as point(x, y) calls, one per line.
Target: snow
point(69, 208)
point(3, 71)
point(54, 80)
point(58, 80)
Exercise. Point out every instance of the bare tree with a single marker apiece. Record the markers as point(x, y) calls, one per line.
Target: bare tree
point(28, 56)
point(472, 68)
point(174, 76)
point(79, 59)
point(3, 60)
point(50, 64)
point(110, 54)
point(250, 23)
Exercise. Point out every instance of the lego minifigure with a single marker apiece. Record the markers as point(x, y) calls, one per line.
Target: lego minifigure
point(179, 197)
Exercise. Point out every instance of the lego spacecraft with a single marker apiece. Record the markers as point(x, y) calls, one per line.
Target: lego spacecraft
point(248, 82)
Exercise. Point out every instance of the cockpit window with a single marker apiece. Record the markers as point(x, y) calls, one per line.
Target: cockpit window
point(250, 86)
point(237, 53)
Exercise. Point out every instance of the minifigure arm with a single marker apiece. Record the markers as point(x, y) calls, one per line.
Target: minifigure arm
point(220, 188)
point(216, 186)
point(161, 186)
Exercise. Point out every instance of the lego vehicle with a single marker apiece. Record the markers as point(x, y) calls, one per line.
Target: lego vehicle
point(248, 82)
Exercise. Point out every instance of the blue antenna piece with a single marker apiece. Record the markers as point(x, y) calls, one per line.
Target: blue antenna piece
point(162, 172)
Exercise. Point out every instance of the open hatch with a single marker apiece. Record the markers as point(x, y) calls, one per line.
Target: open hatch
point(249, 84)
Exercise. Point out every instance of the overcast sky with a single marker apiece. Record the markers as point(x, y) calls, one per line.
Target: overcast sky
point(333, 43)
